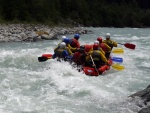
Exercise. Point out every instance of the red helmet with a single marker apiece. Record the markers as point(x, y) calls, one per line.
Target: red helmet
point(99, 39)
point(95, 47)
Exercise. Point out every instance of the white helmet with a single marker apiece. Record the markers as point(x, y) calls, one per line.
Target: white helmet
point(96, 42)
point(62, 45)
point(63, 37)
point(107, 35)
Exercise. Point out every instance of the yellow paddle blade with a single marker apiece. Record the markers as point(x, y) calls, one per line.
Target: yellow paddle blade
point(118, 67)
point(118, 51)
point(49, 57)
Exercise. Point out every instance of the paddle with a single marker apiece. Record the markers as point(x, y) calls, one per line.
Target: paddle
point(44, 57)
point(128, 45)
point(118, 67)
point(118, 51)
point(94, 65)
point(117, 59)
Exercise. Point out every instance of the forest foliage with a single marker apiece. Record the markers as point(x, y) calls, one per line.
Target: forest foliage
point(96, 13)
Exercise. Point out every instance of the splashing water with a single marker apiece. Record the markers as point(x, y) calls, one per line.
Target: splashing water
point(29, 86)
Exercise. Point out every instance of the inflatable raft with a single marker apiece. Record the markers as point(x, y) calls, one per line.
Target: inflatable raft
point(96, 72)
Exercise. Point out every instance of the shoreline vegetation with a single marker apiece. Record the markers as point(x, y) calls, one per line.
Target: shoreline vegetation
point(95, 13)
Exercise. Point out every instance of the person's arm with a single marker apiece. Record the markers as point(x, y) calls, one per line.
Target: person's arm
point(107, 47)
point(69, 51)
point(66, 55)
point(104, 59)
point(71, 48)
point(102, 51)
point(114, 43)
point(87, 60)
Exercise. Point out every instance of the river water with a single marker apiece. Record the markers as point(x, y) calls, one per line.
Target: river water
point(29, 86)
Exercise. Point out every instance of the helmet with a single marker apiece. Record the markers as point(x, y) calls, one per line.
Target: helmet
point(99, 39)
point(66, 40)
point(63, 37)
point(62, 45)
point(77, 36)
point(108, 35)
point(95, 47)
point(81, 49)
point(96, 42)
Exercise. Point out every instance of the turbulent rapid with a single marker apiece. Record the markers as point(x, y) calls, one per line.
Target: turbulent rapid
point(29, 86)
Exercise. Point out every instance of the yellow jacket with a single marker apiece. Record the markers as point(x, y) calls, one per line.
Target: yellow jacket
point(66, 48)
point(105, 47)
point(100, 50)
point(110, 43)
point(72, 48)
point(101, 55)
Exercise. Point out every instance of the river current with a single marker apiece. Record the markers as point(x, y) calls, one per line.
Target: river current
point(29, 86)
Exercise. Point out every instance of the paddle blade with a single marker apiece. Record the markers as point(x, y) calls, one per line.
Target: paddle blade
point(117, 59)
point(47, 55)
point(42, 59)
point(118, 51)
point(118, 67)
point(130, 46)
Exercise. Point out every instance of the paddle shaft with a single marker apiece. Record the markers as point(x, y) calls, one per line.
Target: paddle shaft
point(94, 64)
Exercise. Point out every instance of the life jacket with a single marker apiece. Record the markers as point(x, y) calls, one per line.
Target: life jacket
point(96, 55)
point(76, 57)
point(102, 45)
point(109, 43)
point(59, 53)
point(74, 43)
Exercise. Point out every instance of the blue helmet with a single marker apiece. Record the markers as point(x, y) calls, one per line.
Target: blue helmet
point(66, 40)
point(77, 36)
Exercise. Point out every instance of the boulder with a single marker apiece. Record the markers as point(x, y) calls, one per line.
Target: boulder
point(144, 96)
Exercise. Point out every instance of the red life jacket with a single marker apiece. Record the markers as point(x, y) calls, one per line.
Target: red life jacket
point(78, 58)
point(102, 45)
point(74, 43)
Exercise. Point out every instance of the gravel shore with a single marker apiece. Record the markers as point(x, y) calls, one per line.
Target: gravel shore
point(26, 32)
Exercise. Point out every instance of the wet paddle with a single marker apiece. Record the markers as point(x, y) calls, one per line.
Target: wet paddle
point(128, 45)
point(117, 59)
point(117, 67)
point(118, 51)
point(94, 64)
point(44, 57)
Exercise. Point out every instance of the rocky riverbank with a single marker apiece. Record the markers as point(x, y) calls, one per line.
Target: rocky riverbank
point(25, 32)
point(143, 100)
